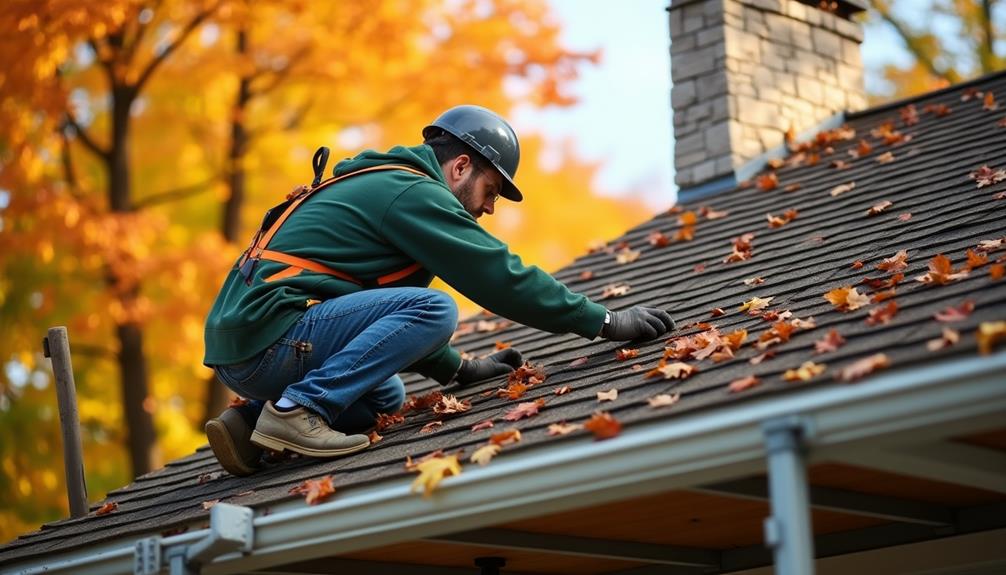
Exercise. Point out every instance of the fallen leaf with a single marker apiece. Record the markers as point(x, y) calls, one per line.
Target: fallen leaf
point(986, 176)
point(711, 214)
point(433, 471)
point(207, 477)
point(976, 259)
point(863, 367)
point(603, 425)
point(989, 104)
point(808, 323)
point(989, 334)
point(237, 401)
point(578, 362)
point(780, 221)
point(210, 503)
point(971, 93)
point(756, 304)
point(949, 337)
point(615, 290)
point(636, 367)
point(676, 370)
point(990, 245)
point(857, 265)
point(527, 374)
point(761, 357)
point(941, 272)
point(743, 383)
point(508, 437)
point(562, 390)
point(484, 454)
point(909, 115)
point(514, 390)
point(627, 256)
point(429, 427)
point(997, 271)
point(110, 507)
point(831, 341)
point(500, 345)
point(485, 424)
point(449, 405)
point(526, 409)
point(895, 263)
point(879, 207)
point(882, 315)
point(374, 437)
point(905, 217)
point(767, 181)
point(846, 298)
point(885, 158)
point(792, 187)
point(959, 313)
point(663, 400)
point(586, 275)
point(483, 326)
point(563, 428)
point(624, 354)
point(699, 268)
point(610, 395)
point(385, 421)
point(421, 402)
point(658, 239)
point(842, 188)
point(742, 249)
point(840, 164)
point(314, 490)
point(807, 371)
point(754, 281)
point(938, 110)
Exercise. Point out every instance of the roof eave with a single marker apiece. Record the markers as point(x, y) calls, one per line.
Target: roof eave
point(722, 444)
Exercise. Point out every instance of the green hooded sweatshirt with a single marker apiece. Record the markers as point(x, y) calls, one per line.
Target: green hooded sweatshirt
point(375, 224)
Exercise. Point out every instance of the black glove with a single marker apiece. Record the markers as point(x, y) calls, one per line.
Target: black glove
point(499, 363)
point(637, 323)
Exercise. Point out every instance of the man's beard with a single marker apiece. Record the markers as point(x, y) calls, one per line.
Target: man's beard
point(466, 195)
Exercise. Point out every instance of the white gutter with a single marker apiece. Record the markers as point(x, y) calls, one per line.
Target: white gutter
point(723, 443)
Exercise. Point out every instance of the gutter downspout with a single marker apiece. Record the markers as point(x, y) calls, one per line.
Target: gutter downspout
point(230, 531)
point(788, 531)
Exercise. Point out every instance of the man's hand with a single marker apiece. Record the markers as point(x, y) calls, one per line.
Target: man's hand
point(637, 323)
point(499, 363)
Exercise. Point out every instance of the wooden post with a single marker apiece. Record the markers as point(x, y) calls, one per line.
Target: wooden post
point(57, 347)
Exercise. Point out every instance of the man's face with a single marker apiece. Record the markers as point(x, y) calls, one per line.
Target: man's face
point(477, 190)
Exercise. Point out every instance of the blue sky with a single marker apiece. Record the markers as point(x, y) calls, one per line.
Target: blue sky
point(624, 114)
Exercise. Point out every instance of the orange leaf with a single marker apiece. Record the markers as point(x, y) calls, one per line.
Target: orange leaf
point(502, 345)
point(842, 188)
point(676, 370)
point(976, 259)
point(578, 362)
point(879, 207)
point(941, 271)
point(110, 507)
point(846, 298)
point(586, 275)
point(515, 390)
point(761, 357)
point(767, 181)
point(429, 427)
point(624, 354)
point(507, 437)
point(314, 490)
point(716, 312)
point(615, 290)
point(997, 271)
point(863, 367)
point(989, 104)
point(885, 158)
point(562, 390)
point(374, 437)
point(756, 304)
point(237, 401)
point(857, 265)
point(603, 425)
point(449, 405)
point(807, 371)
point(883, 314)
point(743, 383)
point(658, 239)
point(897, 262)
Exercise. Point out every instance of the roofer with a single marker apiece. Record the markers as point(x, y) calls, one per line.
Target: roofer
point(319, 316)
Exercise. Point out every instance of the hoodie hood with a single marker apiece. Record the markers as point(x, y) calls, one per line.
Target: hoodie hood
point(420, 157)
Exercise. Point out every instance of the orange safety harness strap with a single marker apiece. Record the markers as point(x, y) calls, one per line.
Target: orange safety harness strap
point(257, 249)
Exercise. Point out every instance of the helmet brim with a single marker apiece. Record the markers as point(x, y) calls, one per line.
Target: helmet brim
point(509, 190)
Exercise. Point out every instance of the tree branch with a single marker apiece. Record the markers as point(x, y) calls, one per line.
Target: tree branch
point(986, 54)
point(914, 43)
point(85, 139)
point(182, 36)
point(176, 194)
point(280, 75)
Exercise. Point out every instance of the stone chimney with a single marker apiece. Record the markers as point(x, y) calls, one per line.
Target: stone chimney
point(746, 71)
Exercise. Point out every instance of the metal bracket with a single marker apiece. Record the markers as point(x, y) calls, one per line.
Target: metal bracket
point(147, 556)
point(231, 530)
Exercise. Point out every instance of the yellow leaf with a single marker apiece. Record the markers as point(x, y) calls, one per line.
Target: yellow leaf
point(805, 372)
point(433, 471)
point(484, 454)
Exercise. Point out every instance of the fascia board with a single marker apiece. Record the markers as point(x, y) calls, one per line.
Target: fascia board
point(647, 458)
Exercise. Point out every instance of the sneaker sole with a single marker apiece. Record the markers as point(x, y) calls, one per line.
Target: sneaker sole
point(274, 443)
point(224, 449)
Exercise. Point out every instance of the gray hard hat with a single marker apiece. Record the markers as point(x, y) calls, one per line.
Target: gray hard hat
point(489, 135)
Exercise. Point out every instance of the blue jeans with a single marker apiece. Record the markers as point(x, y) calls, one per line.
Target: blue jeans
point(341, 358)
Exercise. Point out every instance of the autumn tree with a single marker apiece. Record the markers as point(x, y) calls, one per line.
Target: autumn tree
point(957, 40)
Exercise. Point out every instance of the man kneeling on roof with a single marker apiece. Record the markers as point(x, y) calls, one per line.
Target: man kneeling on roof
point(332, 301)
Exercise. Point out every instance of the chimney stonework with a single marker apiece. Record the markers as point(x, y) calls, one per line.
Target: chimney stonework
point(746, 71)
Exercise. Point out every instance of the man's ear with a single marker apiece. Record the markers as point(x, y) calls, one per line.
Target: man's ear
point(460, 165)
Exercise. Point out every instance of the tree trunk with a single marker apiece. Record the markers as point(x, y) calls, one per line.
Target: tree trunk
point(217, 395)
point(142, 441)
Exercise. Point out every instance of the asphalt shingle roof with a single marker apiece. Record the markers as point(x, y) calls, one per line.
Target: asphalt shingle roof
point(799, 262)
